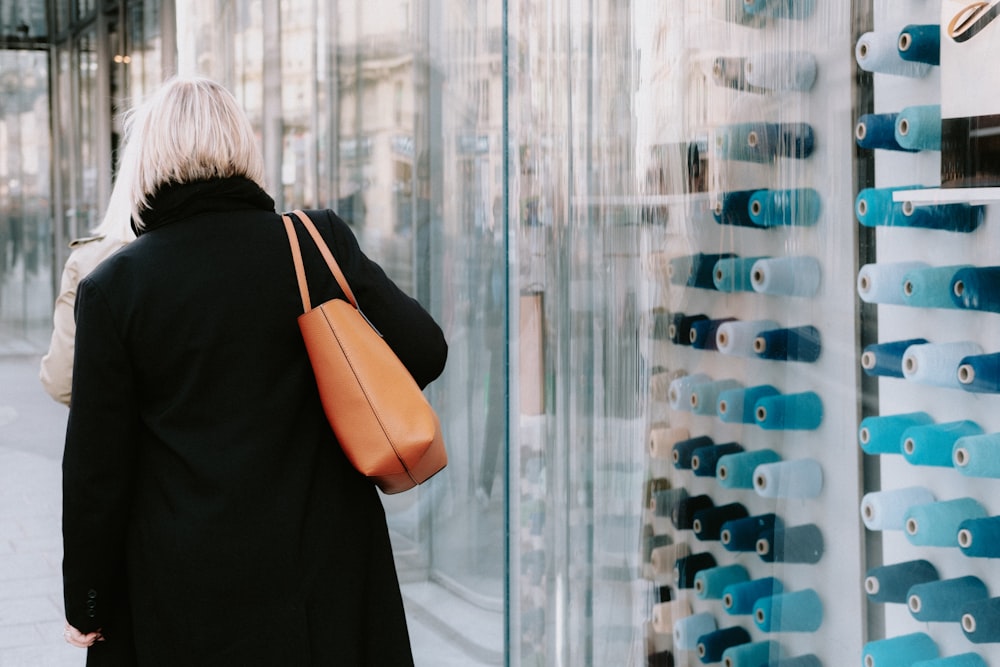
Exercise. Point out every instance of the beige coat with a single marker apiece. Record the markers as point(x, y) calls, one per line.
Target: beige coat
point(56, 371)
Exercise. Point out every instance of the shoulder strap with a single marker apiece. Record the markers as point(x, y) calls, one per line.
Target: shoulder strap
point(327, 255)
point(300, 273)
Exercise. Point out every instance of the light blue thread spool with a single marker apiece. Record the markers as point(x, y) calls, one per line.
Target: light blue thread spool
point(739, 599)
point(936, 524)
point(899, 651)
point(735, 471)
point(704, 397)
point(981, 621)
point(886, 510)
point(798, 478)
point(787, 276)
point(943, 600)
point(878, 52)
point(785, 208)
point(704, 459)
point(754, 654)
point(789, 9)
point(977, 288)
point(799, 611)
point(930, 287)
point(886, 359)
point(980, 538)
point(881, 282)
point(781, 71)
point(891, 583)
point(977, 455)
point(764, 142)
point(920, 43)
point(937, 364)
point(733, 275)
point(679, 391)
point(980, 373)
point(737, 406)
point(802, 411)
point(687, 630)
point(960, 660)
point(878, 131)
point(736, 338)
point(919, 127)
point(709, 584)
point(932, 444)
point(883, 434)
point(732, 208)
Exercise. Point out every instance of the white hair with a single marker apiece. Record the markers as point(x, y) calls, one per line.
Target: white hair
point(117, 220)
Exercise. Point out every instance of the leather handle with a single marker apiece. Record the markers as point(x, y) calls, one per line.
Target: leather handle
point(328, 256)
point(300, 272)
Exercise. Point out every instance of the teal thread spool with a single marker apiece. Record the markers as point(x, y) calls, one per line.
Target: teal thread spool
point(738, 406)
point(799, 611)
point(712, 645)
point(981, 621)
point(735, 471)
point(930, 287)
point(743, 534)
point(802, 411)
point(892, 583)
point(883, 434)
point(733, 274)
point(874, 207)
point(886, 510)
point(878, 130)
point(936, 524)
point(754, 654)
point(709, 584)
point(704, 397)
point(704, 459)
point(919, 127)
point(944, 600)
point(977, 455)
point(807, 660)
point(932, 444)
point(980, 373)
point(920, 43)
point(732, 208)
point(901, 650)
point(683, 450)
point(739, 599)
point(798, 478)
point(977, 288)
point(785, 208)
point(960, 660)
point(793, 544)
point(764, 142)
point(980, 538)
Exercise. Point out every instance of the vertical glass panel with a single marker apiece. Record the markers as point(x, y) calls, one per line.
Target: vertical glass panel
point(140, 49)
point(88, 107)
point(23, 21)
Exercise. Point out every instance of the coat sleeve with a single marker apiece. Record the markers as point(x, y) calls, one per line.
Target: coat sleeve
point(98, 465)
point(56, 368)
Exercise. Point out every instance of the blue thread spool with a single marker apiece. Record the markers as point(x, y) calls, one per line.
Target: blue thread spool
point(937, 364)
point(798, 207)
point(709, 584)
point(684, 449)
point(936, 524)
point(753, 654)
point(688, 567)
point(735, 471)
point(679, 391)
point(980, 373)
point(739, 599)
point(695, 270)
point(878, 131)
point(687, 630)
point(978, 455)
point(901, 650)
point(799, 611)
point(808, 660)
point(886, 359)
point(764, 142)
point(874, 207)
point(803, 411)
point(702, 333)
point(736, 338)
point(707, 523)
point(919, 127)
point(977, 288)
point(932, 445)
point(883, 434)
point(712, 645)
point(737, 406)
point(892, 583)
point(886, 510)
point(663, 501)
point(960, 660)
point(684, 510)
point(680, 331)
point(781, 71)
point(789, 9)
point(920, 44)
point(733, 209)
point(704, 397)
point(930, 288)
point(794, 344)
point(786, 276)
point(743, 534)
point(795, 544)
point(943, 600)
point(799, 478)
point(981, 621)
point(704, 459)
point(880, 283)
point(733, 275)
point(980, 538)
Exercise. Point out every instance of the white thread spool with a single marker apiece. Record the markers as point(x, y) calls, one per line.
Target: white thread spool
point(799, 478)
point(782, 71)
point(737, 338)
point(883, 283)
point(879, 52)
point(662, 441)
point(886, 510)
point(937, 364)
point(687, 630)
point(665, 614)
point(786, 276)
point(662, 559)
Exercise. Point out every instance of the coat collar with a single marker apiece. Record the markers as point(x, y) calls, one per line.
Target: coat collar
point(176, 201)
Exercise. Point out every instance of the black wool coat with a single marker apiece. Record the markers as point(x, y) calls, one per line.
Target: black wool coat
point(209, 515)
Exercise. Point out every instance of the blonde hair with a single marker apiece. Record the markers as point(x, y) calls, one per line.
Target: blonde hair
point(117, 220)
point(191, 129)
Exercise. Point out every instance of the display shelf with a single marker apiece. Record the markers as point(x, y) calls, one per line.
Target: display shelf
point(948, 196)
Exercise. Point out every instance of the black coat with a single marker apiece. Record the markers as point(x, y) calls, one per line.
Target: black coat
point(203, 487)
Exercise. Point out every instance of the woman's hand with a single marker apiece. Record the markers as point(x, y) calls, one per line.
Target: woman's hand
point(80, 640)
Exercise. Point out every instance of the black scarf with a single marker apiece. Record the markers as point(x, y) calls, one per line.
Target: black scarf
point(176, 201)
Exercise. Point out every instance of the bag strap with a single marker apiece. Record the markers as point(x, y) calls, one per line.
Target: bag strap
point(324, 250)
point(300, 272)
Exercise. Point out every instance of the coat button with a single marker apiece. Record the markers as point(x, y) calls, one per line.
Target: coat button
point(91, 594)
point(91, 613)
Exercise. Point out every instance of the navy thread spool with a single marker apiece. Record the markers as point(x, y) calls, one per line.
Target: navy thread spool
point(792, 344)
point(892, 583)
point(684, 449)
point(735, 471)
point(733, 275)
point(786, 276)
point(733, 208)
point(704, 459)
point(712, 645)
point(886, 359)
point(902, 650)
point(795, 544)
point(936, 524)
point(978, 455)
point(702, 333)
point(932, 444)
point(783, 71)
point(980, 538)
point(960, 660)
point(660, 659)
point(679, 391)
point(943, 600)
point(686, 568)
point(920, 43)
point(790, 9)
point(980, 373)
point(680, 328)
point(878, 131)
point(663, 501)
point(883, 434)
point(707, 523)
point(683, 513)
point(662, 594)
point(798, 611)
point(981, 621)
point(931, 287)
point(802, 411)
point(886, 510)
point(798, 478)
point(808, 660)
point(937, 364)
point(919, 127)
point(743, 534)
point(738, 406)
point(753, 654)
point(739, 599)
point(704, 397)
point(977, 288)
point(785, 208)
point(709, 584)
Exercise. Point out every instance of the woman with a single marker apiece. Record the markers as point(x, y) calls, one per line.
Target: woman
point(202, 485)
